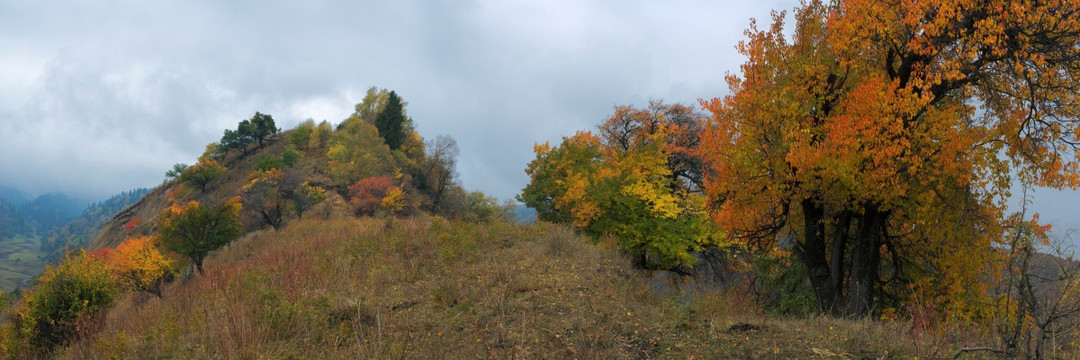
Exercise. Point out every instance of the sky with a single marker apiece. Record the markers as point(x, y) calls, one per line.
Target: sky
point(99, 97)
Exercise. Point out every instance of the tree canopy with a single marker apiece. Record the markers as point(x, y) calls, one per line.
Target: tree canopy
point(884, 137)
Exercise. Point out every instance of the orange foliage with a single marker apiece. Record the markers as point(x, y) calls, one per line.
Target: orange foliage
point(137, 264)
point(860, 137)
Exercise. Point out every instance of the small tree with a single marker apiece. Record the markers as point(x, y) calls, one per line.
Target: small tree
point(137, 265)
point(202, 173)
point(262, 126)
point(367, 195)
point(193, 230)
point(65, 295)
point(300, 137)
point(177, 169)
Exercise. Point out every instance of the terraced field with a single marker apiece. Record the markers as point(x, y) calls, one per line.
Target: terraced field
point(20, 262)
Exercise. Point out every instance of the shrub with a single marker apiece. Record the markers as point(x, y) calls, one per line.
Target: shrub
point(63, 298)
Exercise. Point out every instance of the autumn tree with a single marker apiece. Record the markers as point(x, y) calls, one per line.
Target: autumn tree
point(883, 138)
point(366, 195)
point(357, 152)
point(631, 182)
point(202, 173)
point(137, 265)
point(300, 137)
point(63, 296)
point(193, 230)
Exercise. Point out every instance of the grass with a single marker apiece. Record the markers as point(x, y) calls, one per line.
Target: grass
point(429, 288)
point(20, 261)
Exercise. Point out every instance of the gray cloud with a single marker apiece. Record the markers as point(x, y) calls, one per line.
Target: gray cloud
point(97, 98)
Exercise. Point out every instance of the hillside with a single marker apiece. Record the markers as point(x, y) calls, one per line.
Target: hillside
point(78, 232)
point(239, 165)
point(431, 288)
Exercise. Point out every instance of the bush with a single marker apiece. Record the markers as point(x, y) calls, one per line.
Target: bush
point(64, 297)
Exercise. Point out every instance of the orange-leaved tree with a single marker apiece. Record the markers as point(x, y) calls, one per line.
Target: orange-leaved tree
point(137, 265)
point(881, 136)
point(194, 229)
point(639, 181)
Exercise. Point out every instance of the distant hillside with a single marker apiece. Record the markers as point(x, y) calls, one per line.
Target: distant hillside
point(13, 197)
point(83, 228)
point(11, 223)
point(49, 212)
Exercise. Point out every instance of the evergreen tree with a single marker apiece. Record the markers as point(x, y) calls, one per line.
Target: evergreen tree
point(391, 122)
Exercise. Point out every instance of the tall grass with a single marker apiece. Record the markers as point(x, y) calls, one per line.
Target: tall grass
point(431, 288)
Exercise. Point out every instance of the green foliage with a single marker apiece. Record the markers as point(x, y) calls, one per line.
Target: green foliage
point(193, 230)
point(290, 156)
point(177, 169)
point(262, 126)
point(779, 285)
point(320, 135)
point(391, 122)
point(62, 299)
point(300, 137)
point(357, 152)
point(202, 173)
point(269, 162)
point(258, 128)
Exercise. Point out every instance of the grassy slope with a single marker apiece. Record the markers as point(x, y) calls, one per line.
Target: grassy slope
point(20, 261)
point(428, 288)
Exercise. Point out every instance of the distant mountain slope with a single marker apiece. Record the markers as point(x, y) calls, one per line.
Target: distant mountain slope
point(13, 197)
point(10, 221)
point(83, 228)
point(48, 212)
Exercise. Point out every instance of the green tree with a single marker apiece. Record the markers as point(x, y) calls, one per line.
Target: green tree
point(300, 137)
point(262, 126)
point(177, 169)
point(391, 122)
point(356, 152)
point(193, 230)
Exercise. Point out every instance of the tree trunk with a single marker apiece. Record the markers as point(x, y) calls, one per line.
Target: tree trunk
point(813, 250)
point(839, 250)
point(865, 260)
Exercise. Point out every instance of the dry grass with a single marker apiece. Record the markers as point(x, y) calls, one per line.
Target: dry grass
point(429, 288)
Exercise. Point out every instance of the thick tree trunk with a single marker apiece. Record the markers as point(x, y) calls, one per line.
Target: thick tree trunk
point(865, 260)
point(839, 250)
point(813, 250)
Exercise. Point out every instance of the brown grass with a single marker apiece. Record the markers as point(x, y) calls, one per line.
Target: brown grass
point(430, 288)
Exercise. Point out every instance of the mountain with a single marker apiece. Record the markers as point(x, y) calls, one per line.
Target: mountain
point(11, 223)
point(83, 228)
point(13, 197)
point(48, 212)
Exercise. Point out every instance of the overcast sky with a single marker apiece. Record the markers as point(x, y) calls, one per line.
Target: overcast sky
point(98, 97)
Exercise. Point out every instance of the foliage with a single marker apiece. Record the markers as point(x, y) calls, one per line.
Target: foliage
point(176, 170)
point(202, 173)
point(262, 126)
point(356, 152)
point(193, 230)
point(861, 137)
point(137, 265)
point(366, 195)
point(300, 137)
point(63, 297)
point(82, 229)
point(305, 196)
point(634, 182)
point(259, 127)
point(320, 135)
point(391, 122)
